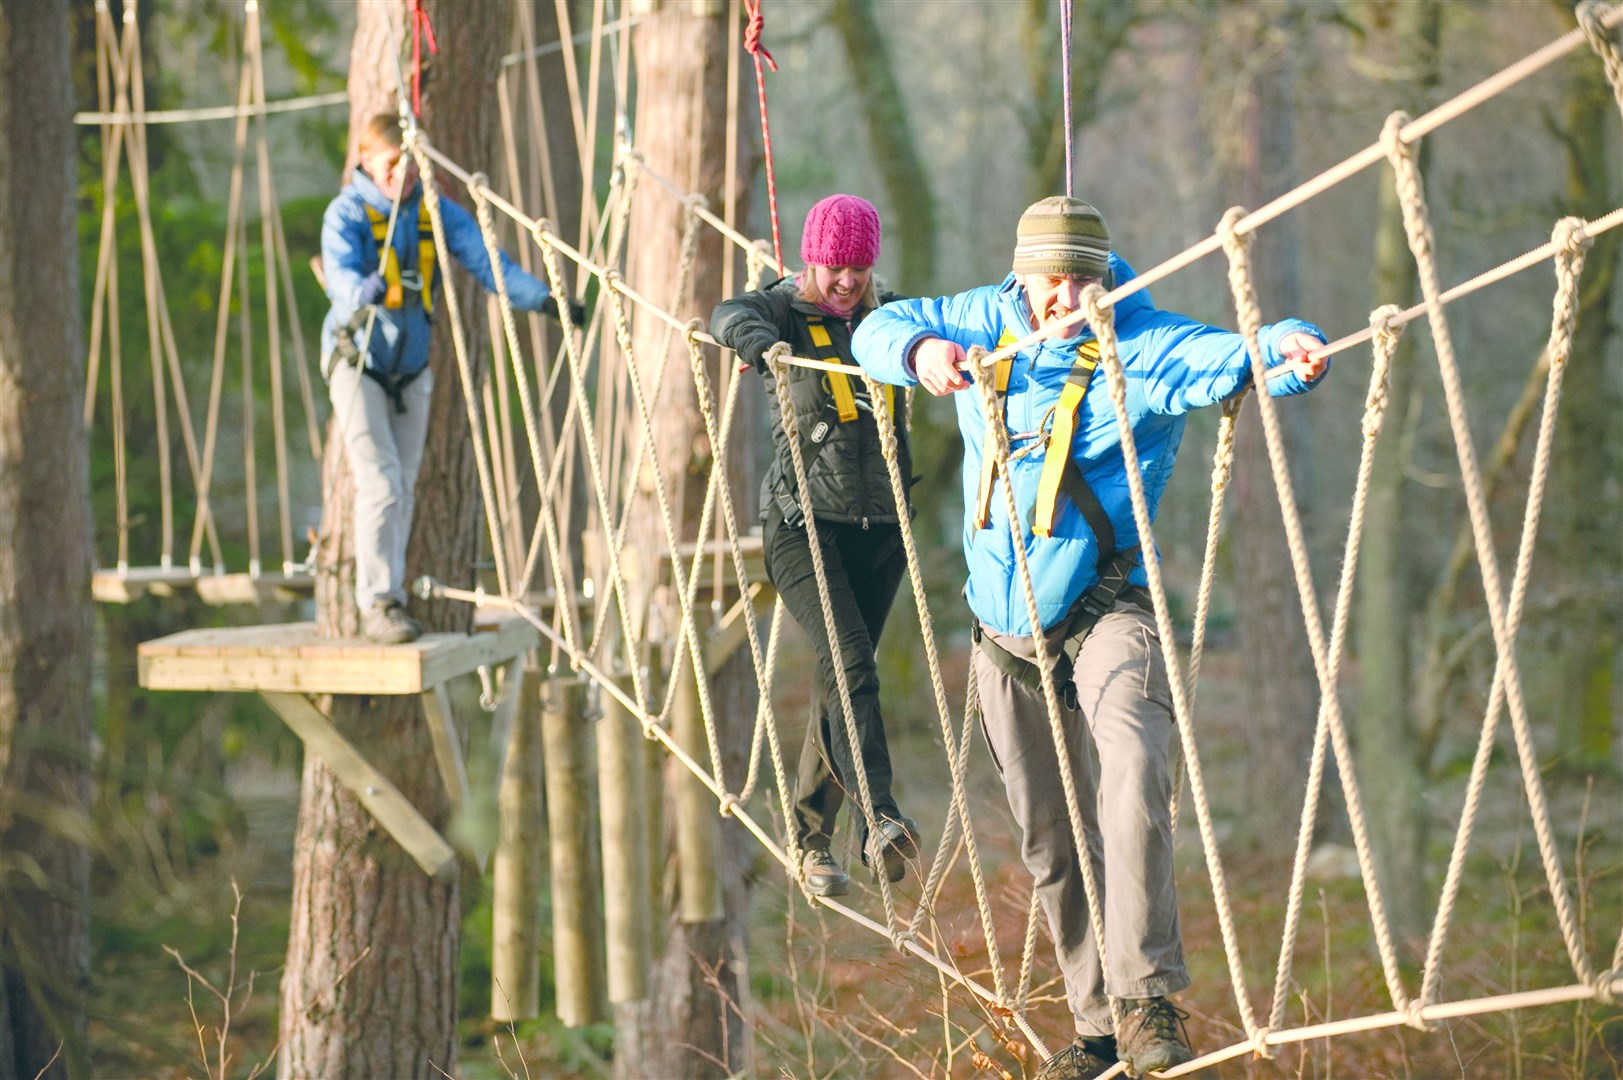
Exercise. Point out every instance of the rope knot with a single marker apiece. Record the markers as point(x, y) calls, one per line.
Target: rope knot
point(539, 229)
point(694, 327)
point(1259, 1042)
point(728, 804)
point(695, 202)
point(752, 34)
point(1606, 986)
point(479, 186)
point(776, 355)
point(1414, 1017)
point(1229, 229)
point(1571, 235)
point(1392, 136)
point(1099, 312)
point(903, 938)
point(1380, 321)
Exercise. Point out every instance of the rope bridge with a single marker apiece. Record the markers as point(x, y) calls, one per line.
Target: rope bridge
point(608, 430)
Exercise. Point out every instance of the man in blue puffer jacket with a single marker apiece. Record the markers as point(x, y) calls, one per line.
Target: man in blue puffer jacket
point(1082, 546)
point(374, 348)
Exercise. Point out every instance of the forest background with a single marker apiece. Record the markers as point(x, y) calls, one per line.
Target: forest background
point(946, 115)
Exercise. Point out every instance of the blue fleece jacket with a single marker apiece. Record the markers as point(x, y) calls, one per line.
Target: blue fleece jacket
point(1172, 363)
point(349, 255)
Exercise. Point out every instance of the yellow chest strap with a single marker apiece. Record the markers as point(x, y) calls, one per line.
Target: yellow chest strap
point(839, 384)
point(1058, 453)
point(395, 294)
point(1000, 383)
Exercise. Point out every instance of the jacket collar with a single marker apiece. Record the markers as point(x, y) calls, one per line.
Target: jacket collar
point(373, 196)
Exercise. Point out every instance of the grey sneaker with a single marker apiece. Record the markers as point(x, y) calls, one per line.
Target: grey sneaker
point(1087, 1057)
point(890, 844)
point(1151, 1036)
point(388, 624)
point(823, 874)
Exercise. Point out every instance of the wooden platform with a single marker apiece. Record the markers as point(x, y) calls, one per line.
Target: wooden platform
point(293, 658)
point(287, 664)
point(135, 582)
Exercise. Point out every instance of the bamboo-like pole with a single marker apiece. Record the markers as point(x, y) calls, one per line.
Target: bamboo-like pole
point(698, 826)
point(622, 780)
point(577, 915)
point(515, 947)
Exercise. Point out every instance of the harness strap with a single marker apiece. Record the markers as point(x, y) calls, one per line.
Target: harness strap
point(1057, 460)
point(1084, 615)
point(394, 296)
point(394, 385)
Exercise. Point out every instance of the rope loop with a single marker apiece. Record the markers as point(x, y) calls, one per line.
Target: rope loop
point(694, 327)
point(1385, 334)
point(1571, 235)
point(777, 354)
point(752, 34)
point(1229, 228)
point(478, 184)
point(1259, 1042)
point(1392, 143)
point(903, 938)
point(1605, 985)
point(1413, 1015)
point(729, 803)
point(1589, 20)
point(1100, 314)
point(694, 202)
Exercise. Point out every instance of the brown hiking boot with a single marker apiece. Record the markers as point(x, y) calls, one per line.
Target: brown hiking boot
point(1151, 1036)
point(388, 624)
point(1087, 1057)
point(823, 873)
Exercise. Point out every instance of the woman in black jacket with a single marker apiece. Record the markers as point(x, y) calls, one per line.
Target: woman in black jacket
point(856, 524)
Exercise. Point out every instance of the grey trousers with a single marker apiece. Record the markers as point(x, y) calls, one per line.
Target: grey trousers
point(1126, 709)
point(385, 449)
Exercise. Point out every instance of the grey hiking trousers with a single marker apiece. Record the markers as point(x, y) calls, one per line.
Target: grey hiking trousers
point(1126, 709)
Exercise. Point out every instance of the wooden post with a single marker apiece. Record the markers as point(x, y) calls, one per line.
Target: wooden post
point(577, 914)
point(658, 765)
point(698, 825)
point(515, 947)
point(622, 783)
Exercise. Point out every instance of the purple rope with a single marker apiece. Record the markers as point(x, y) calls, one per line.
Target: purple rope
point(1065, 80)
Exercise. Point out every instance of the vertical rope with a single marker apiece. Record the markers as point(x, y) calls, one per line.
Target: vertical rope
point(1589, 20)
point(1416, 221)
point(1065, 93)
point(757, 51)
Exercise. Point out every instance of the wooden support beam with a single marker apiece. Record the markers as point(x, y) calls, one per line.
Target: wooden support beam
point(732, 633)
point(698, 826)
point(380, 797)
point(621, 783)
point(515, 939)
point(447, 744)
point(577, 878)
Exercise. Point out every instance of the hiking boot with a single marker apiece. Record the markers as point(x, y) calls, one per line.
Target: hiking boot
point(388, 624)
point(1151, 1036)
point(1087, 1057)
point(823, 873)
point(890, 844)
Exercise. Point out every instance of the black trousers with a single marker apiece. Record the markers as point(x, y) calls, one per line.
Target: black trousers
point(864, 566)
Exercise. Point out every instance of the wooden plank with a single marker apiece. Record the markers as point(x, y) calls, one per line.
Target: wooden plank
point(221, 589)
point(732, 633)
point(463, 654)
point(380, 797)
point(134, 582)
point(447, 744)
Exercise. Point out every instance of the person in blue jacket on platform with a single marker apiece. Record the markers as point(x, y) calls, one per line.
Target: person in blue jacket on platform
point(1076, 526)
point(374, 349)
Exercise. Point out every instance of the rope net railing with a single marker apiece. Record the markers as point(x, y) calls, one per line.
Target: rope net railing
point(587, 420)
point(1328, 647)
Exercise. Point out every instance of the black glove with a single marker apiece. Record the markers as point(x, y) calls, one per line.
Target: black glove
point(577, 310)
point(372, 290)
point(753, 352)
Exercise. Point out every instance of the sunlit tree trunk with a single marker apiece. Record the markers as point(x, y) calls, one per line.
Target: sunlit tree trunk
point(692, 1023)
point(45, 558)
point(1403, 41)
point(371, 979)
point(1585, 512)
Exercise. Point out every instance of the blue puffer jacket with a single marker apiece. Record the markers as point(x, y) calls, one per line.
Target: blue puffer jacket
point(349, 254)
point(1173, 364)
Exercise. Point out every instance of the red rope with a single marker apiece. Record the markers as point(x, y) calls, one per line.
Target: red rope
point(420, 28)
point(752, 45)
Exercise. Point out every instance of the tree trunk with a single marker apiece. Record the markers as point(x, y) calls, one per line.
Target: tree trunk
point(1388, 579)
point(371, 981)
point(45, 557)
point(1282, 691)
point(693, 1021)
point(890, 138)
point(1585, 510)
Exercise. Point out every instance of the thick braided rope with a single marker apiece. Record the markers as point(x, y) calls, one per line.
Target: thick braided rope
point(548, 512)
point(1412, 197)
point(453, 308)
point(949, 835)
point(791, 429)
point(721, 491)
point(1569, 262)
point(1589, 20)
point(765, 732)
point(594, 461)
point(1103, 321)
point(1222, 474)
point(1249, 314)
point(622, 333)
point(932, 658)
point(992, 412)
point(1386, 337)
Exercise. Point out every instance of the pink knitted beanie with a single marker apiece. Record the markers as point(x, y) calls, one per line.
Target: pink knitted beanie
point(841, 230)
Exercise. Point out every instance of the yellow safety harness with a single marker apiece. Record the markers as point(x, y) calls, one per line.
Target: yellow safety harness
point(395, 295)
point(1060, 472)
point(839, 384)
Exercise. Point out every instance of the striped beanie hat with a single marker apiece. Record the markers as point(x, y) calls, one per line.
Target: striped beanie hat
point(1062, 235)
